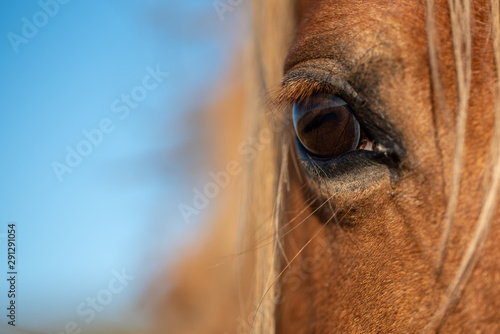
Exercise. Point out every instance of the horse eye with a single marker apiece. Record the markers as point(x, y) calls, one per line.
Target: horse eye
point(326, 127)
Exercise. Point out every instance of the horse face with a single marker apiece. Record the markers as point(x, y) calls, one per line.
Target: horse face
point(366, 225)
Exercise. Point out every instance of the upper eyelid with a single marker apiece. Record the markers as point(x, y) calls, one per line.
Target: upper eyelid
point(313, 77)
point(348, 79)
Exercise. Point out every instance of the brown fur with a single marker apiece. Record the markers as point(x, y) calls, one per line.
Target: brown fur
point(385, 251)
point(379, 273)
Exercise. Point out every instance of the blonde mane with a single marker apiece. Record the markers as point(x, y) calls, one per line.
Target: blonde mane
point(266, 175)
point(460, 12)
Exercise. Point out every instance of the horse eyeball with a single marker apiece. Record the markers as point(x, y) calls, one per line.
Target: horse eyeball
point(326, 127)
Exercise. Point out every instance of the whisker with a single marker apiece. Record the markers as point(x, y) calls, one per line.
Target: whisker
point(291, 261)
point(284, 269)
point(231, 257)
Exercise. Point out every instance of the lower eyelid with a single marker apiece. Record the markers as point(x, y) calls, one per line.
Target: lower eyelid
point(352, 172)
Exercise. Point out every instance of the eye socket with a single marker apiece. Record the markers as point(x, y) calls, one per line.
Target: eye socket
point(326, 127)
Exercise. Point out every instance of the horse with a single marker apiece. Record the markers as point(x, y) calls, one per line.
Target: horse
point(372, 205)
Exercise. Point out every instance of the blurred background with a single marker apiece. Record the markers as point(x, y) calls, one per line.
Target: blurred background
point(101, 141)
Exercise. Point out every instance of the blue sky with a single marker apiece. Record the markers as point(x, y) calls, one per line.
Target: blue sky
point(118, 208)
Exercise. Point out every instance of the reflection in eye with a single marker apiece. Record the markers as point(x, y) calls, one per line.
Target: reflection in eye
point(326, 127)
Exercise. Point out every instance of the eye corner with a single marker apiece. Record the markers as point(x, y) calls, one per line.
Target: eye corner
point(393, 152)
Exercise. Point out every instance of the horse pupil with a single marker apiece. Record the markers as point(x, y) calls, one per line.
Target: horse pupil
point(325, 126)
